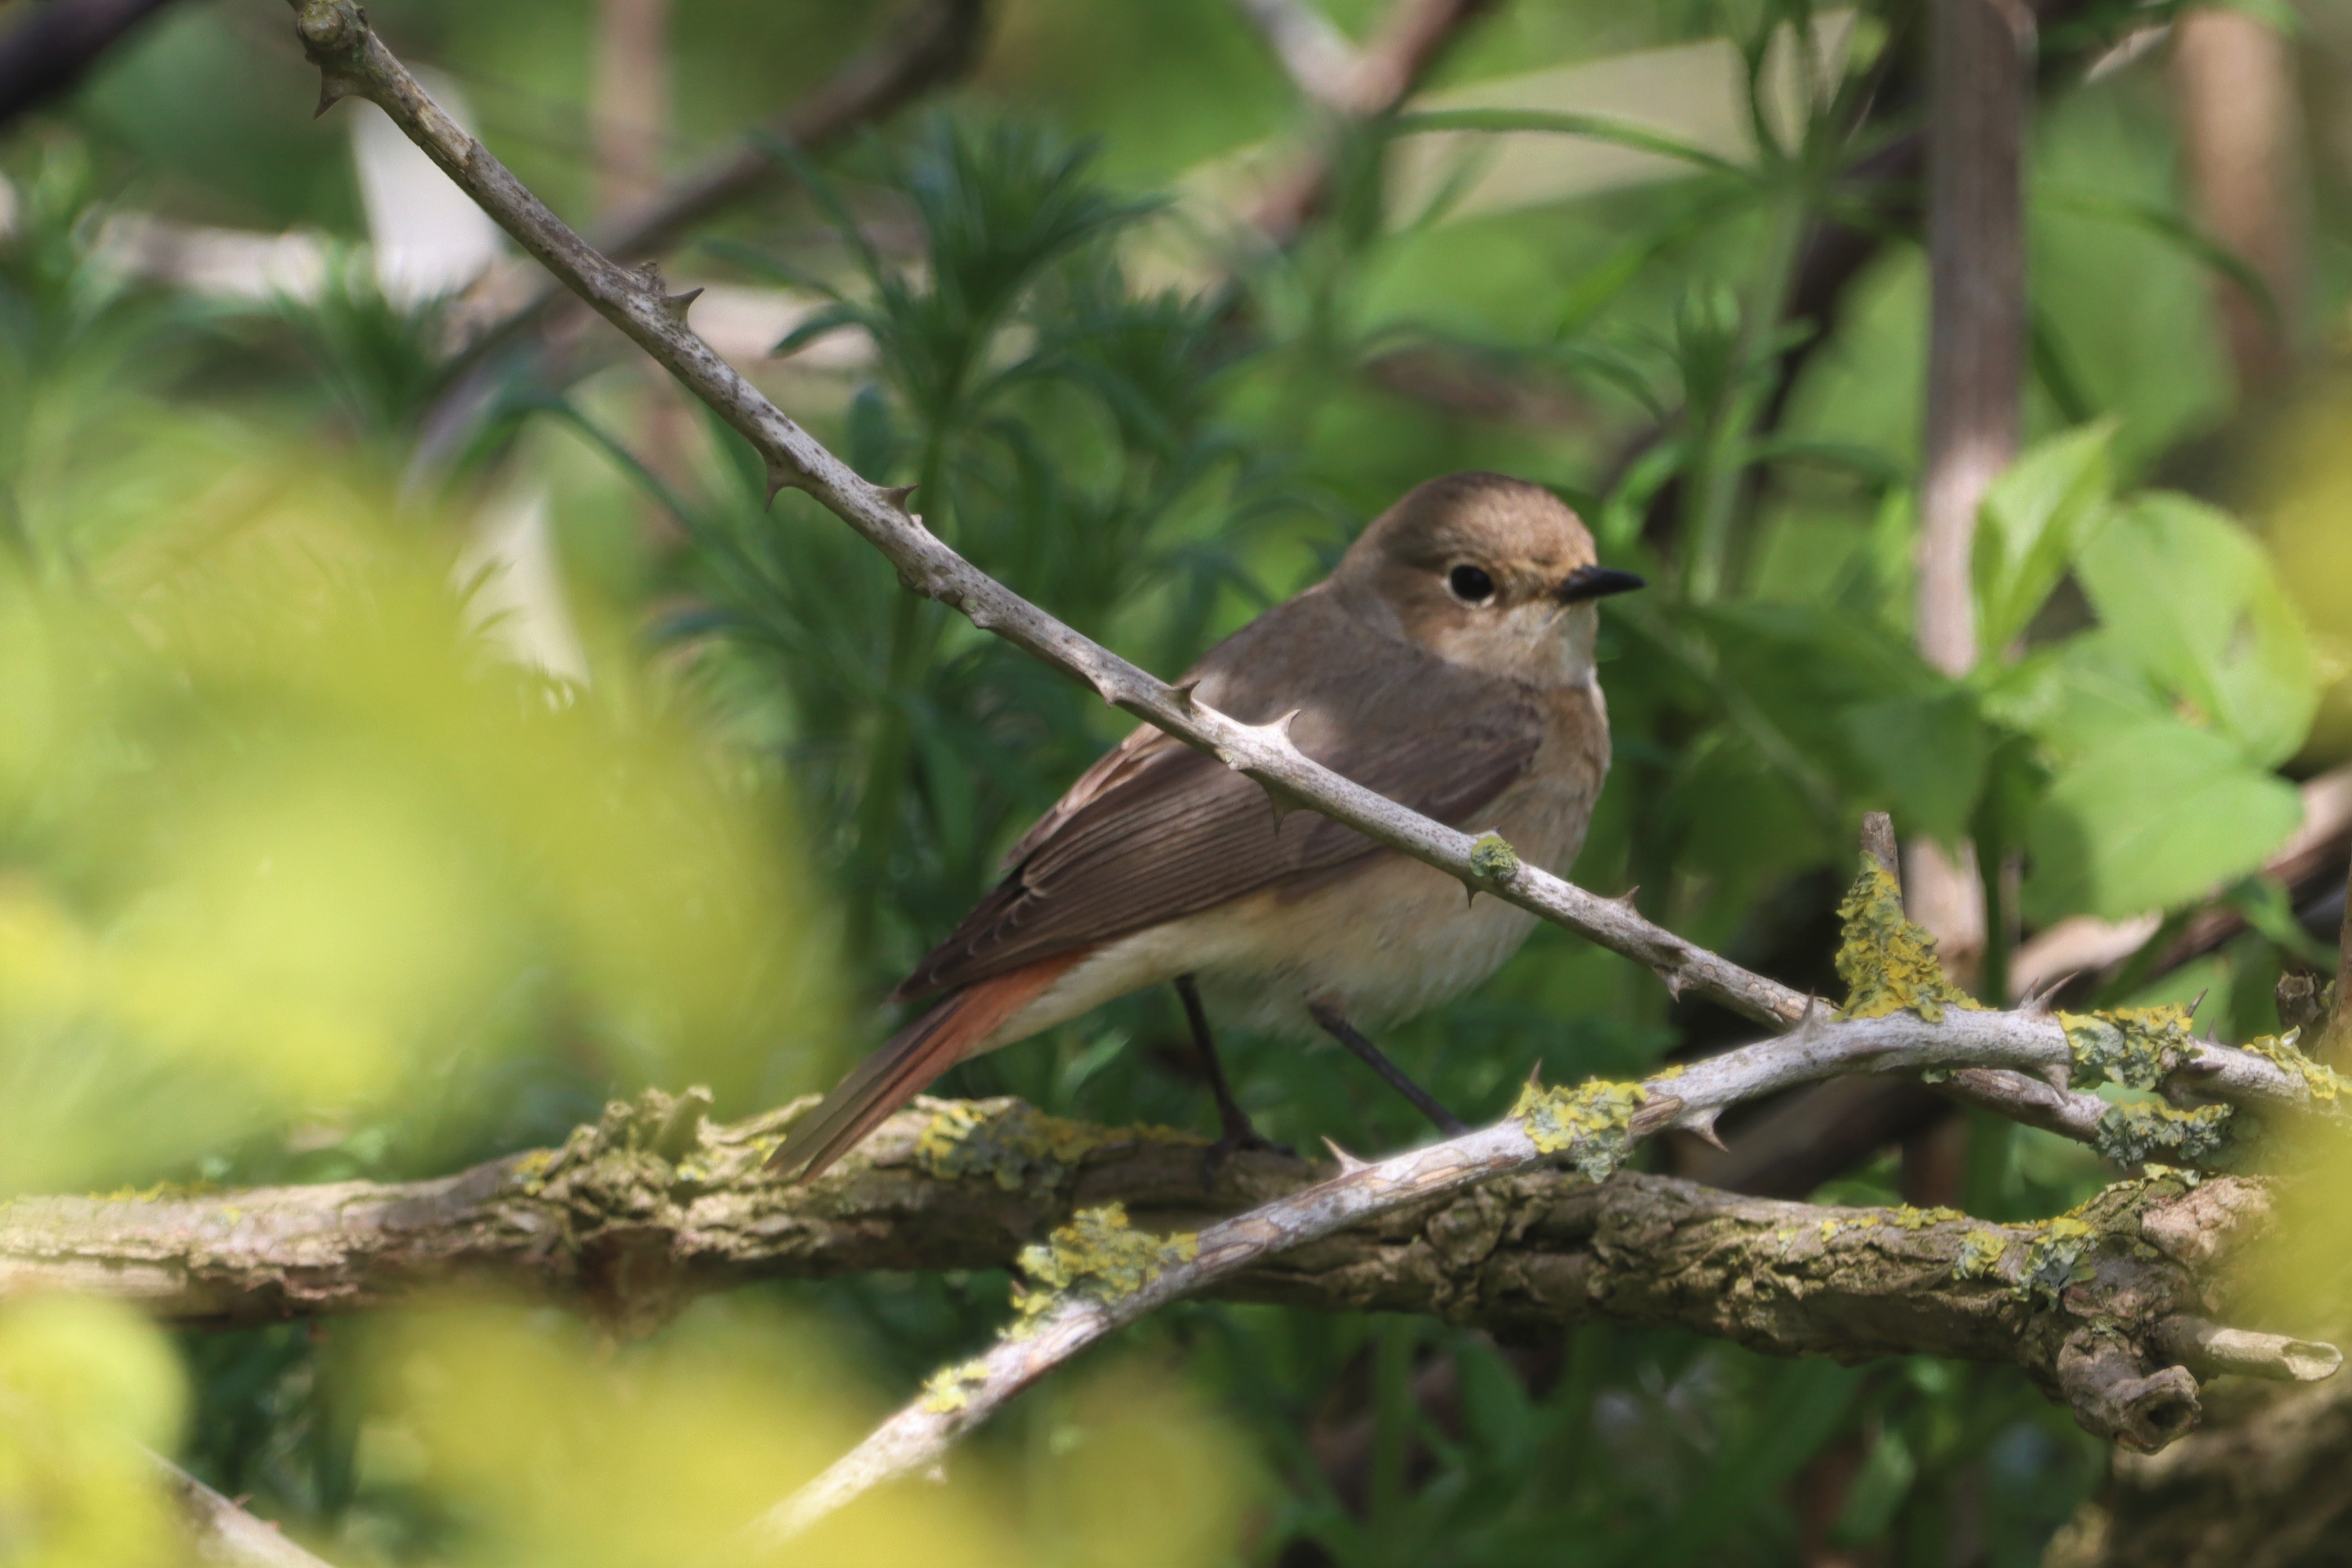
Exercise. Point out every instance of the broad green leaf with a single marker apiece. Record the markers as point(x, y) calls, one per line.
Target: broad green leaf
point(2194, 601)
point(2074, 694)
point(1860, 704)
point(2153, 815)
point(2028, 525)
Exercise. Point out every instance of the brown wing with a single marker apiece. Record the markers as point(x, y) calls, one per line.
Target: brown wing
point(1157, 831)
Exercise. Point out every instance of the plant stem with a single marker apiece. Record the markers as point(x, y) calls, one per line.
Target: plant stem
point(1720, 465)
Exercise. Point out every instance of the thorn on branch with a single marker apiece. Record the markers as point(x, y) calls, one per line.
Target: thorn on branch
point(332, 90)
point(675, 305)
point(1700, 1125)
point(896, 496)
point(1349, 1164)
point(779, 478)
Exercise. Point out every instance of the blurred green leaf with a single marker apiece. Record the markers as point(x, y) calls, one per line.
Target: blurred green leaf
point(2151, 814)
point(2193, 599)
point(2031, 519)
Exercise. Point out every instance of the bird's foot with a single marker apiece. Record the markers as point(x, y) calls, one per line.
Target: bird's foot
point(1241, 1140)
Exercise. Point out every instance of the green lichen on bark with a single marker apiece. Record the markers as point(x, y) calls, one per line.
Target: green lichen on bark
point(1887, 963)
point(2054, 1258)
point(2135, 1047)
point(1017, 1146)
point(1980, 1255)
point(1911, 1218)
point(2319, 1080)
point(1588, 1122)
point(2146, 1132)
point(1494, 860)
point(1096, 1255)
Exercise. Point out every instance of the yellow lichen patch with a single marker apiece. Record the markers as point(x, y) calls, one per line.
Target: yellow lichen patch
point(2054, 1259)
point(2320, 1080)
point(949, 1388)
point(530, 1169)
point(2135, 1047)
point(1911, 1218)
point(1980, 1254)
point(1586, 1122)
point(2137, 1134)
point(1492, 859)
point(1886, 962)
point(1099, 1255)
point(1017, 1145)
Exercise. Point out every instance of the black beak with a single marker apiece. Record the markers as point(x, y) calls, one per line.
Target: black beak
point(1596, 583)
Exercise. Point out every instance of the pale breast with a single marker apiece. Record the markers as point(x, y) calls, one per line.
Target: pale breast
point(1390, 938)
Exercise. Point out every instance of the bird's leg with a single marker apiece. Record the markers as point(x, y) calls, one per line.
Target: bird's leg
point(1341, 1029)
point(1236, 1132)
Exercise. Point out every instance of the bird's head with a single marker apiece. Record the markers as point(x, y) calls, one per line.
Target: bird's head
point(1486, 571)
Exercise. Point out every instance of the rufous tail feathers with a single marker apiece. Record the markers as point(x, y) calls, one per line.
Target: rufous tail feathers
point(950, 1030)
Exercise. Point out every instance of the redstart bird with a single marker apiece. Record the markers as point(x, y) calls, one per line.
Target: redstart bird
point(1446, 664)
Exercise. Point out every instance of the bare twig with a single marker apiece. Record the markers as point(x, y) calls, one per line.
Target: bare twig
point(220, 1533)
point(2241, 136)
point(1381, 76)
point(1318, 56)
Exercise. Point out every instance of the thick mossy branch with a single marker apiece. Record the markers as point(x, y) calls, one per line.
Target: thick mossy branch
point(608, 1222)
point(1017, 1146)
point(1887, 963)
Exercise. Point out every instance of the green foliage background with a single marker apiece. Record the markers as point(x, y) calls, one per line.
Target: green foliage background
point(784, 777)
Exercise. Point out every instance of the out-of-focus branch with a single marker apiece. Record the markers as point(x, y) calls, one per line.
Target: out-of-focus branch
point(221, 1533)
point(2336, 1038)
point(2241, 140)
point(1379, 78)
point(916, 54)
point(54, 47)
point(1979, 91)
point(1317, 56)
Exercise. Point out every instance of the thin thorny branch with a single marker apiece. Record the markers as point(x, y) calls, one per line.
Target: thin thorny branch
point(224, 1536)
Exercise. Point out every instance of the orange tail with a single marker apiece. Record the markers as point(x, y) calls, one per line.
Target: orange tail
point(909, 1062)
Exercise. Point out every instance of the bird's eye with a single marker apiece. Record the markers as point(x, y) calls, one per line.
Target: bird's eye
point(1470, 584)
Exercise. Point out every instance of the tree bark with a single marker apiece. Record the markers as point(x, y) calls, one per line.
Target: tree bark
point(633, 1218)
